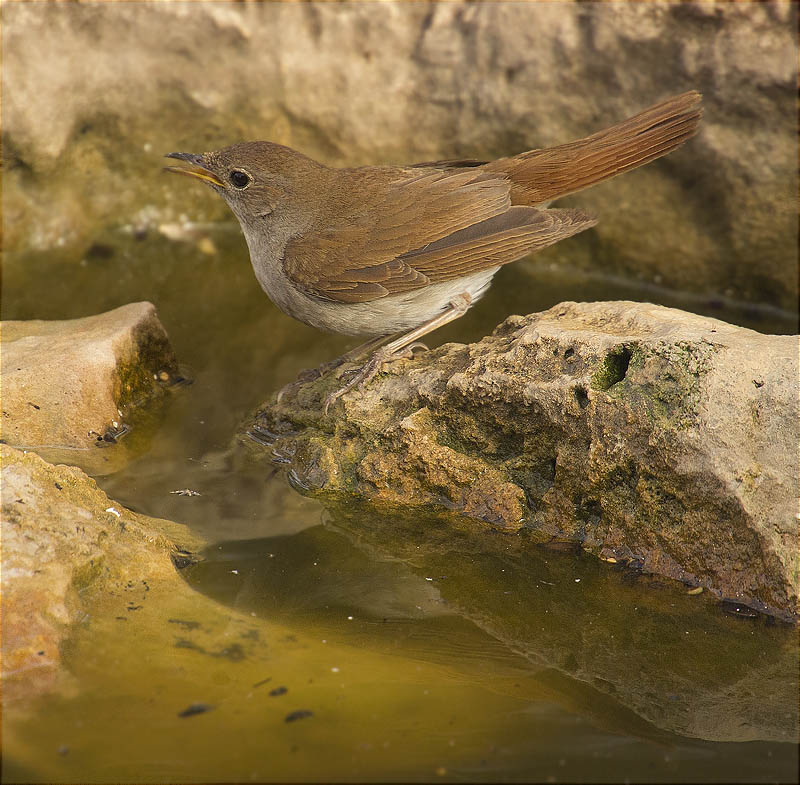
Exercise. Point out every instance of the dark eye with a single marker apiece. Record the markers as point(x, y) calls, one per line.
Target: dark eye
point(239, 179)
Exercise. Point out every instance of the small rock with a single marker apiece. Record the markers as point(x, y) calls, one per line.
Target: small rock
point(82, 373)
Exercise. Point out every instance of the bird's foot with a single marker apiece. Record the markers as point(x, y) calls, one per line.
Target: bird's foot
point(362, 376)
point(309, 375)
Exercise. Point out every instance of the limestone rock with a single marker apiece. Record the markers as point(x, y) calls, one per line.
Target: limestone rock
point(642, 432)
point(71, 384)
point(367, 83)
point(61, 536)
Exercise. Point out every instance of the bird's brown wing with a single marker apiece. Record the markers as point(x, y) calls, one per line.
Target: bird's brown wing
point(384, 235)
point(373, 216)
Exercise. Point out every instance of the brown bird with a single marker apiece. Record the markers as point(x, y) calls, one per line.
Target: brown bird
point(394, 252)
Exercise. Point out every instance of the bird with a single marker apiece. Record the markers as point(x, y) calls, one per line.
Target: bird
point(395, 252)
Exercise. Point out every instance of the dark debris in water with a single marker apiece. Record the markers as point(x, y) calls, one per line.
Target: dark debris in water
point(300, 714)
point(278, 691)
point(183, 559)
point(195, 708)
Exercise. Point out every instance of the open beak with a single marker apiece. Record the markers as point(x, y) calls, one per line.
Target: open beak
point(196, 169)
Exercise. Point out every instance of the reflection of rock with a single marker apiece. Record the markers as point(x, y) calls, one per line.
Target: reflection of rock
point(643, 432)
point(71, 384)
point(677, 660)
point(61, 537)
point(376, 83)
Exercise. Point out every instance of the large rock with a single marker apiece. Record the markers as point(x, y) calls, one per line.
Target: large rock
point(643, 432)
point(364, 83)
point(71, 385)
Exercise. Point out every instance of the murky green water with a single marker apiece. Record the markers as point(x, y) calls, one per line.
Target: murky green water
point(422, 652)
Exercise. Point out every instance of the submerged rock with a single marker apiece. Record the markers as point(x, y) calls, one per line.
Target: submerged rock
point(71, 384)
point(645, 433)
point(63, 538)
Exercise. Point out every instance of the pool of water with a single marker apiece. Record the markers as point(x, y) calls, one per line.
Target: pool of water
point(418, 650)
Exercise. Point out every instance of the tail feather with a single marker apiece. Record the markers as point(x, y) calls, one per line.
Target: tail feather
point(541, 175)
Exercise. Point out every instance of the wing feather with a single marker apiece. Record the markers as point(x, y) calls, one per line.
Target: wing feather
point(353, 252)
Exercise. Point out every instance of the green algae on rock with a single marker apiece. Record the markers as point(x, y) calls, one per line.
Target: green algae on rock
point(617, 425)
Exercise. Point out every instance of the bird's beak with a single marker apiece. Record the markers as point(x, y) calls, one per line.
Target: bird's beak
point(196, 169)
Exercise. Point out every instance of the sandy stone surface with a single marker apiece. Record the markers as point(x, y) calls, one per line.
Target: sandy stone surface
point(85, 128)
point(63, 537)
point(73, 383)
point(645, 433)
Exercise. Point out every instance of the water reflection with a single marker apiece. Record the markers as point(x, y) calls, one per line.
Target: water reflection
point(677, 661)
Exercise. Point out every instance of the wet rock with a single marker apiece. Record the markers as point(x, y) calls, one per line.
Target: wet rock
point(645, 433)
point(72, 384)
point(476, 80)
point(63, 540)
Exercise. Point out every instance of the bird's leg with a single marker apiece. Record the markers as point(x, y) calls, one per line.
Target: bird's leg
point(399, 347)
point(309, 374)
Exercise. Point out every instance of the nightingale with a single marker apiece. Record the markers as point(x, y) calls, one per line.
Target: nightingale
point(394, 252)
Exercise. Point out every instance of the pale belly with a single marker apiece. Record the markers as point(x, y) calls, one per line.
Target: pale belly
point(384, 316)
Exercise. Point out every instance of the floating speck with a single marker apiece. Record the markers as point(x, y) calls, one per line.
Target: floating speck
point(195, 708)
point(300, 714)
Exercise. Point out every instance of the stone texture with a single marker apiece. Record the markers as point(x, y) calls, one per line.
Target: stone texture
point(71, 384)
point(61, 537)
point(645, 433)
point(364, 83)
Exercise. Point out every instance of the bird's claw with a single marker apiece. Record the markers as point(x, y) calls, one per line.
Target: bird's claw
point(308, 375)
point(362, 376)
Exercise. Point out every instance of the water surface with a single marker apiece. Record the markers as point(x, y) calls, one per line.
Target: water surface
point(422, 651)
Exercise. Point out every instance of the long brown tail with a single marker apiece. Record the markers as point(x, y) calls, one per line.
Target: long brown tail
point(541, 175)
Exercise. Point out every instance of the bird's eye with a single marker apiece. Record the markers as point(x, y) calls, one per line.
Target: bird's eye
point(239, 179)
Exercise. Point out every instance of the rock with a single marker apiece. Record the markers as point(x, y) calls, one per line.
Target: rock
point(642, 432)
point(63, 538)
point(376, 83)
point(72, 384)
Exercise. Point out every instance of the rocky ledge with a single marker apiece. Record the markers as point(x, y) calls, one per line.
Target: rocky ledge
point(645, 433)
point(70, 386)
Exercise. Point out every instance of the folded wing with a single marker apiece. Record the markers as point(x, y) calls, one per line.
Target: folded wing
point(383, 236)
